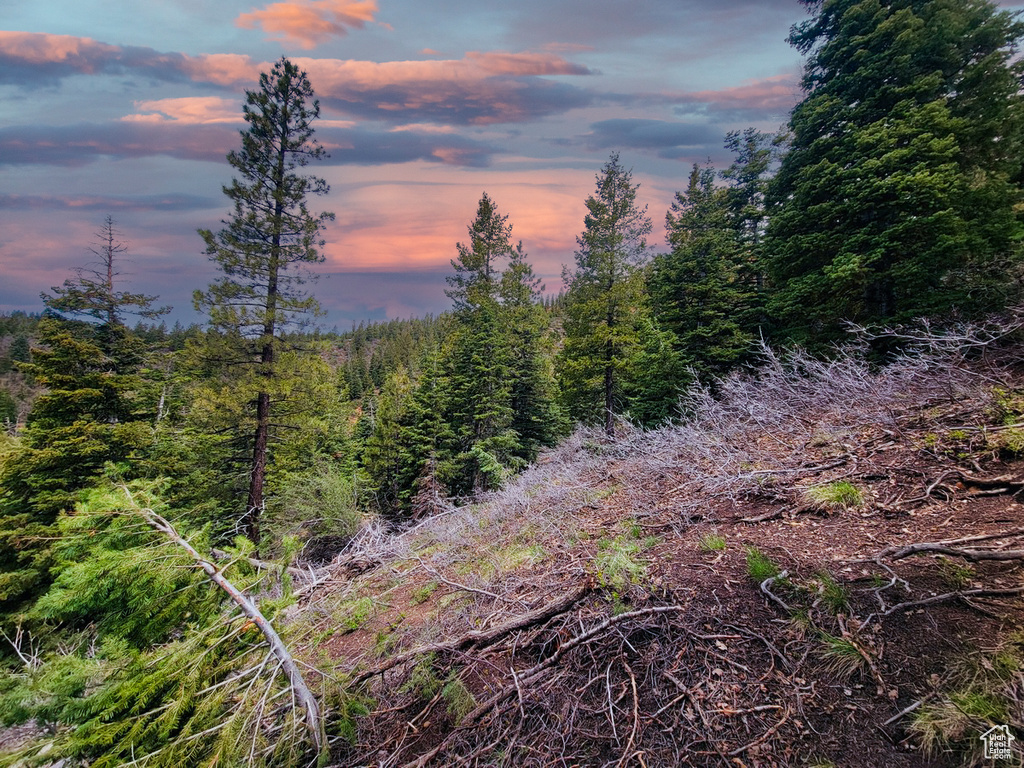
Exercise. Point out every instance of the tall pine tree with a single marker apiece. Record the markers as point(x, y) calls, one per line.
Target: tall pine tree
point(265, 247)
point(604, 302)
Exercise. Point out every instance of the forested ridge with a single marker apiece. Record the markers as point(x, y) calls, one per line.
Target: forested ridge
point(253, 541)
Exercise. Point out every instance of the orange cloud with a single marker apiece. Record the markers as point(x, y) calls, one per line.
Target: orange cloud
point(225, 69)
point(308, 23)
point(193, 110)
point(481, 88)
point(332, 76)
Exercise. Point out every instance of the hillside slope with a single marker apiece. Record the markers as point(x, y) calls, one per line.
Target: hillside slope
point(822, 567)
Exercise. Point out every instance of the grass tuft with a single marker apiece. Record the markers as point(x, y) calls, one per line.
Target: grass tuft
point(760, 566)
point(834, 497)
point(711, 542)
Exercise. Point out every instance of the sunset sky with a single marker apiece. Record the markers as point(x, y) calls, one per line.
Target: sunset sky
point(126, 108)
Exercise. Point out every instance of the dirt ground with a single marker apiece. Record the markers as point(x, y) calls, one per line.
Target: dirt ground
point(624, 620)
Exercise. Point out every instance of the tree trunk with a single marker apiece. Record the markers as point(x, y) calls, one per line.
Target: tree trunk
point(254, 501)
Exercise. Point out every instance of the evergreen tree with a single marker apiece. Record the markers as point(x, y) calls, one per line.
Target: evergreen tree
point(388, 463)
point(748, 178)
point(695, 288)
point(897, 196)
point(93, 412)
point(605, 298)
point(19, 351)
point(479, 347)
point(535, 417)
point(94, 294)
point(263, 248)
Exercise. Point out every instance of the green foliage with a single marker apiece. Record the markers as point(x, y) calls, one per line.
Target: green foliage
point(264, 252)
point(422, 681)
point(357, 612)
point(897, 195)
point(103, 555)
point(831, 593)
point(91, 414)
point(980, 691)
point(831, 497)
point(482, 404)
point(604, 303)
point(695, 288)
point(423, 593)
point(159, 670)
point(458, 699)
point(618, 565)
point(760, 566)
point(955, 575)
point(320, 502)
point(94, 293)
point(711, 542)
point(841, 656)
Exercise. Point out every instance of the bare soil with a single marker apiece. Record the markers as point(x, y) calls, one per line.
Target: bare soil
point(669, 651)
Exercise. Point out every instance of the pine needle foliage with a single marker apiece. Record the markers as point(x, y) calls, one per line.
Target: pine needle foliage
point(164, 671)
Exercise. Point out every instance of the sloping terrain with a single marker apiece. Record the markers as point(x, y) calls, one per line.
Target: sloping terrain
point(821, 567)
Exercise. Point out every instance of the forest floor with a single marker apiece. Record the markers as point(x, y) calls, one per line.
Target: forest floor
point(822, 568)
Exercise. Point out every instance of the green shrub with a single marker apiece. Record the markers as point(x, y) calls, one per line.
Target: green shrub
point(617, 565)
point(319, 505)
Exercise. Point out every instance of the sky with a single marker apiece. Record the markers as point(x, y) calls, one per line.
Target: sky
point(128, 109)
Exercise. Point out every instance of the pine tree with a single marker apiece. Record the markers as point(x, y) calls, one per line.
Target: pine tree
point(263, 249)
point(535, 417)
point(93, 292)
point(604, 298)
point(92, 413)
point(897, 196)
point(388, 463)
point(479, 348)
point(695, 288)
point(748, 178)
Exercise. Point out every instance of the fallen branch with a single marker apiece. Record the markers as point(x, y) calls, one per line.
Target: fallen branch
point(483, 637)
point(771, 595)
point(534, 673)
point(950, 547)
point(965, 594)
point(314, 723)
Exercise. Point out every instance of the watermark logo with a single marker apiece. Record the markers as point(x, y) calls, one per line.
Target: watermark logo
point(998, 741)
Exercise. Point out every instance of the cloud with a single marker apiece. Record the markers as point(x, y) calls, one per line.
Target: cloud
point(672, 140)
point(30, 59)
point(170, 202)
point(78, 145)
point(193, 110)
point(482, 88)
point(479, 89)
point(307, 23)
point(770, 97)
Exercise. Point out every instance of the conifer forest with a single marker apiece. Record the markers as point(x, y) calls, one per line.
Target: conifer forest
point(747, 497)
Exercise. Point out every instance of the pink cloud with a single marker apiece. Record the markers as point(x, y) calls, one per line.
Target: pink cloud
point(226, 69)
point(308, 23)
point(770, 94)
point(481, 88)
point(193, 110)
point(81, 53)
